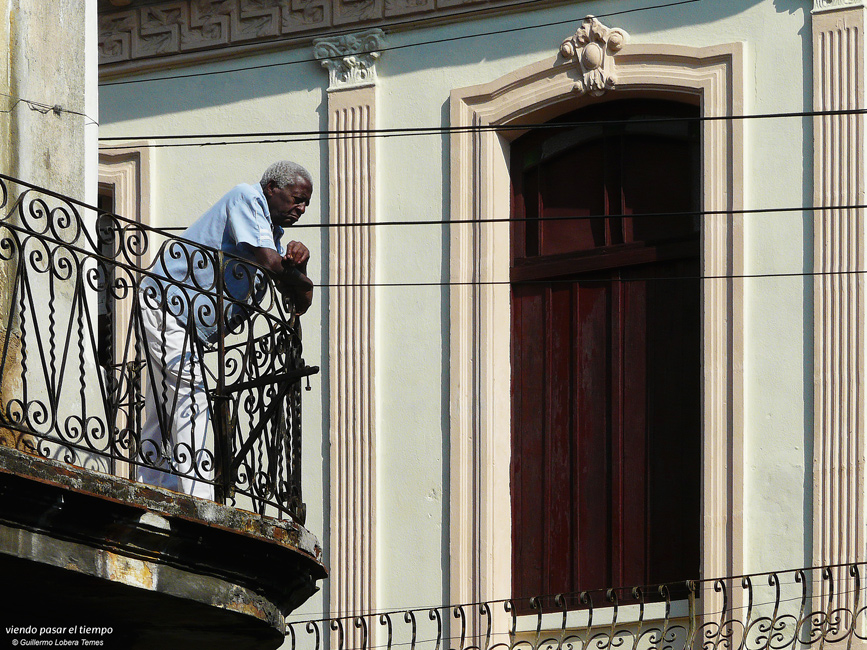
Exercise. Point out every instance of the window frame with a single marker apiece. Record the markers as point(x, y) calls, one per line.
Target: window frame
point(480, 522)
point(616, 427)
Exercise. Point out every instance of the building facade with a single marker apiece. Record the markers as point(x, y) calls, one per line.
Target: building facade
point(112, 562)
point(591, 297)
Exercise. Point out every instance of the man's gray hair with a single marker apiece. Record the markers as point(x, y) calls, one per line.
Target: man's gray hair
point(285, 172)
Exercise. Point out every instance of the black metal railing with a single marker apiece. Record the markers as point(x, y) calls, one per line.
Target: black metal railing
point(821, 607)
point(86, 302)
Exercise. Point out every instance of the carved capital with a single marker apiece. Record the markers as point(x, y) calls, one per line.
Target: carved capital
point(593, 48)
point(351, 58)
point(830, 5)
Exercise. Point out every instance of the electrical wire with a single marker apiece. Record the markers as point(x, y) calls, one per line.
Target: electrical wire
point(280, 137)
point(439, 284)
point(40, 107)
point(303, 39)
point(494, 220)
point(583, 280)
point(801, 274)
point(389, 48)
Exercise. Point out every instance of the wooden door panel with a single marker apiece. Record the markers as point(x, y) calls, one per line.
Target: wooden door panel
point(673, 430)
point(657, 178)
point(593, 459)
point(528, 427)
point(571, 186)
point(606, 360)
point(634, 385)
point(559, 475)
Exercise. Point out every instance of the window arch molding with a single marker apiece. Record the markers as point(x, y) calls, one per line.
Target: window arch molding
point(480, 431)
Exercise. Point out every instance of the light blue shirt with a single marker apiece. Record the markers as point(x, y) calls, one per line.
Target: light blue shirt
point(236, 224)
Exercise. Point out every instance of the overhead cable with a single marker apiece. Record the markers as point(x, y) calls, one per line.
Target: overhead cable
point(597, 280)
point(279, 137)
point(43, 108)
point(584, 217)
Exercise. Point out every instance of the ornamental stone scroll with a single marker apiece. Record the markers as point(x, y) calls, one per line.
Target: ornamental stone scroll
point(593, 48)
point(831, 5)
point(350, 58)
point(352, 324)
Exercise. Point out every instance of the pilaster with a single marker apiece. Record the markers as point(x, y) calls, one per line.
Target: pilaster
point(350, 60)
point(839, 520)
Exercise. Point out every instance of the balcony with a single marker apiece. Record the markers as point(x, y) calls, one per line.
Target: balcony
point(76, 286)
point(820, 607)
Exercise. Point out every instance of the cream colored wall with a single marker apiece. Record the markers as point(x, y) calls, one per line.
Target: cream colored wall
point(412, 345)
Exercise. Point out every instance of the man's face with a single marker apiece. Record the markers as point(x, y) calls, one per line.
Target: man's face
point(287, 204)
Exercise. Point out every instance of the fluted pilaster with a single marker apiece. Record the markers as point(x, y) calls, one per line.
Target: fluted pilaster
point(352, 324)
point(839, 321)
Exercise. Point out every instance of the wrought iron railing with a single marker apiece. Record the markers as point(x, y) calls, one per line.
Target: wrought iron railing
point(806, 608)
point(80, 289)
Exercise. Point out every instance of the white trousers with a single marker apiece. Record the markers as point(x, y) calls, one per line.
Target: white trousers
point(176, 387)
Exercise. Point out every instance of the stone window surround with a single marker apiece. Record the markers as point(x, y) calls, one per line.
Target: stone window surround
point(480, 520)
point(127, 167)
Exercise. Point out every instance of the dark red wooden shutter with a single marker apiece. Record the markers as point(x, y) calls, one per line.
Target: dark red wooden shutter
point(606, 353)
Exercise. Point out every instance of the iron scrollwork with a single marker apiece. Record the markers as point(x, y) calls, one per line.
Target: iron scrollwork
point(805, 608)
point(75, 283)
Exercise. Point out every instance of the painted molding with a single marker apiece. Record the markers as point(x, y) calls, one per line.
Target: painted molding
point(352, 353)
point(127, 169)
point(593, 48)
point(480, 429)
point(350, 58)
point(839, 236)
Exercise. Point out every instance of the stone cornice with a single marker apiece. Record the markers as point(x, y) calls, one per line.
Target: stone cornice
point(831, 5)
point(172, 32)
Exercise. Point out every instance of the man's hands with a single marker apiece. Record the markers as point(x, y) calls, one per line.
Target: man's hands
point(296, 255)
point(294, 276)
point(290, 272)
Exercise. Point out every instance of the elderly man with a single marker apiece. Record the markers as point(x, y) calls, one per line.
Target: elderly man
point(181, 312)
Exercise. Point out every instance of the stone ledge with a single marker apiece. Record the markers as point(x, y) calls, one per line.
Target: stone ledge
point(125, 550)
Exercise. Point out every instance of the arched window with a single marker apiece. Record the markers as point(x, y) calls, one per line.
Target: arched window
point(606, 349)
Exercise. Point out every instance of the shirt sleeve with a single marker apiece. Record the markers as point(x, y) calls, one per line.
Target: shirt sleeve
point(248, 222)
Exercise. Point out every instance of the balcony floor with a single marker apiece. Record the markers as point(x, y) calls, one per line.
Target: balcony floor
point(162, 569)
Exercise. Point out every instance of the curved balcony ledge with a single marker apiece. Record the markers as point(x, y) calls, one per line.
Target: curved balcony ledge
point(160, 567)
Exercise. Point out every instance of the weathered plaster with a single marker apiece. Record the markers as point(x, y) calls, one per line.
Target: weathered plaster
point(45, 86)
